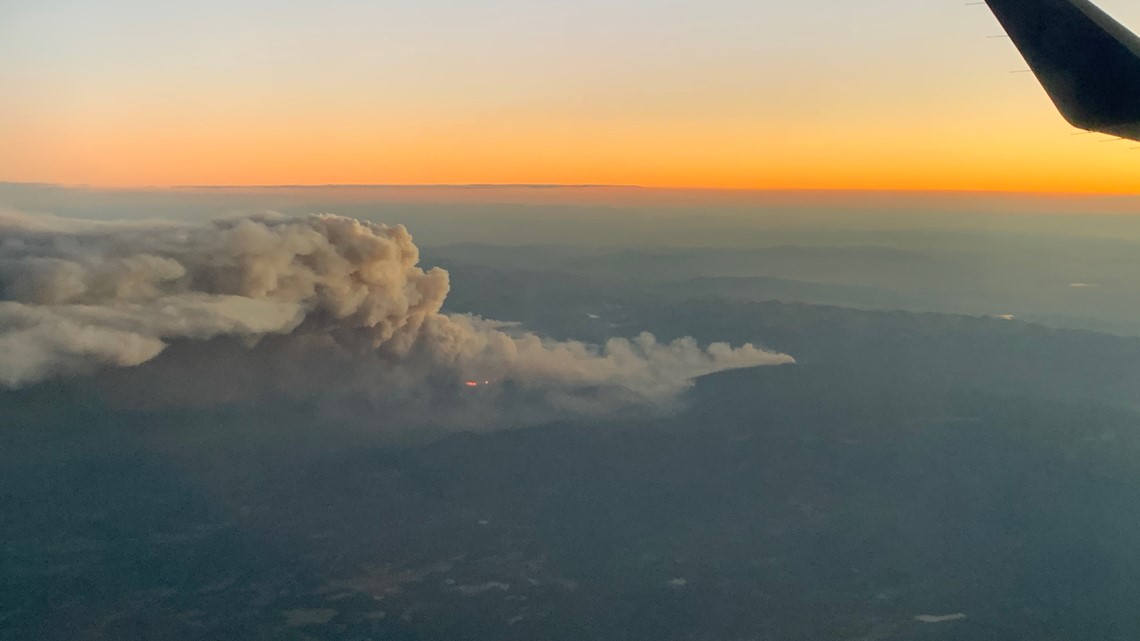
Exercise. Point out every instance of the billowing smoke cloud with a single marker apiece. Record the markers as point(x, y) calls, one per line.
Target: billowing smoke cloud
point(317, 307)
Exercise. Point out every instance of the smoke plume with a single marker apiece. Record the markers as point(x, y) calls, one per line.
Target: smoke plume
point(322, 307)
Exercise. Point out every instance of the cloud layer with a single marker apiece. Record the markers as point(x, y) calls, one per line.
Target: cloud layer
point(314, 307)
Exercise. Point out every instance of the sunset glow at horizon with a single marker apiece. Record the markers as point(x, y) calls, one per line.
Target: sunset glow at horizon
point(723, 94)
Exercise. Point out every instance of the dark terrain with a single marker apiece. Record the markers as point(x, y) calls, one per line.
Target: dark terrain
point(909, 465)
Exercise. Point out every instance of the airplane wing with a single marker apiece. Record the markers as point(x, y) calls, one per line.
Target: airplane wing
point(1088, 62)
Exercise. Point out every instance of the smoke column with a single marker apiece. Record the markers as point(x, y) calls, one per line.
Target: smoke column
point(322, 306)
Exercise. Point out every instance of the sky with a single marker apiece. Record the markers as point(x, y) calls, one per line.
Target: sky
point(739, 94)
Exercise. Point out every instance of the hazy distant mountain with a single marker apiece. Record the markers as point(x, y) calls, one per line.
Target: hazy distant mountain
point(1084, 286)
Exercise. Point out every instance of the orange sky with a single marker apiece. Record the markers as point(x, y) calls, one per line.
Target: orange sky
point(891, 108)
point(732, 155)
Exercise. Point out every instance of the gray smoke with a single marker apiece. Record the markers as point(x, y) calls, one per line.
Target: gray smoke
point(317, 307)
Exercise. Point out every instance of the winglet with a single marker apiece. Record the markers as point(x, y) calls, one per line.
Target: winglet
point(1088, 62)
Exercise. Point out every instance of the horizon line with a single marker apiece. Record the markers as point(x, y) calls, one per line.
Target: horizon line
point(576, 186)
